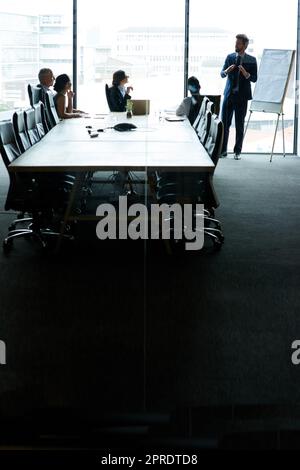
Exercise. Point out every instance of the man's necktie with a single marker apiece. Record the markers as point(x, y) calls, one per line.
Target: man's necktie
point(236, 76)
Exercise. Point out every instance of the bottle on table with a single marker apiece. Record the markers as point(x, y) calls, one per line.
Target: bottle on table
point(129, 108)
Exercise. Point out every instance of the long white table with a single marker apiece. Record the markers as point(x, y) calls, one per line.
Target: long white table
point(154, 145)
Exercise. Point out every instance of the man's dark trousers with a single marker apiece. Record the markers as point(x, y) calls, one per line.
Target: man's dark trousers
point(237, 105)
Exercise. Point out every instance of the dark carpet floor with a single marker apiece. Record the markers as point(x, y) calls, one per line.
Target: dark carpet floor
point(121, 326)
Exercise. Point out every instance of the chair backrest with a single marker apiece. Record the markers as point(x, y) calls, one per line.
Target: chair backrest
point(40, 119)
point(52, 116)
point(8, 146)
point(214, 140)
point(108, 96)
point(30, 126)
point(210, 107)
point(216, 99)
point(201, 113)
point(204, 127)
point(34, 94)
point(9, 151)
point(20, 131)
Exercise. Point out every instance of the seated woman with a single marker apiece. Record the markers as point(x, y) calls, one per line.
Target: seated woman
point(190, 106)
point(64, 98)
point(118, 93)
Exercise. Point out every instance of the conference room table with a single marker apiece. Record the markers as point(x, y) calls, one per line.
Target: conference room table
point(155, 145)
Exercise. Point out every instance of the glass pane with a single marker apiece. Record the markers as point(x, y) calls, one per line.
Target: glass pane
point(212, 37)
point(33, 35)
point(145, 38)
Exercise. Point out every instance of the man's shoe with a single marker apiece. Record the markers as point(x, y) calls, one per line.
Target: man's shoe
point(237, 156)
point(223, 155)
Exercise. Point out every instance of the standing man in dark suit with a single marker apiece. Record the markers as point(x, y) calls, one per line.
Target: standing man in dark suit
point(240, 69)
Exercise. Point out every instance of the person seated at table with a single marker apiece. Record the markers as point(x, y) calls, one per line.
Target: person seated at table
point(64, 98)
point(190, 106)
point(46, 80)
point(118, 92)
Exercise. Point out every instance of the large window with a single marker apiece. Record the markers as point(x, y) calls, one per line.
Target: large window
point(32, 35)
point(269, 25)
point(146, 39)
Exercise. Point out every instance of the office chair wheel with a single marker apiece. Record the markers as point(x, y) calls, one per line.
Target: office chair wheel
point(7, 246)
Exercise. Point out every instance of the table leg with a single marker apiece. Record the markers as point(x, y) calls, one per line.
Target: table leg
point(77, 184)
point(151, 183)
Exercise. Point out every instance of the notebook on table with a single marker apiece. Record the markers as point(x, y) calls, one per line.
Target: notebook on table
point(174, 118)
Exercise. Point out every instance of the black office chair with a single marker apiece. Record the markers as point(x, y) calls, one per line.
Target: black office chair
point(28, 193)
point(201, 113)
point(107, 94)
point(35, 95)
point(40, 119)
point(214, 147)
point(35, 98)
point(21, 136)
point(214, 139)
point(9, 151)
point(192, 194)
point(51, 113)
point(216, 99)
point(204, 125)
point(30, 126)
point(203, 189)
point(23, 143)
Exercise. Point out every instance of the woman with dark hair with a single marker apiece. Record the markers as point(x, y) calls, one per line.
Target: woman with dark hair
point(190, 106)
point(118, 93)
point(64, 98)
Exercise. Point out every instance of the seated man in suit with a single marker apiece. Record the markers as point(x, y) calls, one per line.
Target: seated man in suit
point(190, 106)
point(118, 93)
point(46, 79)
point(240, 69)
